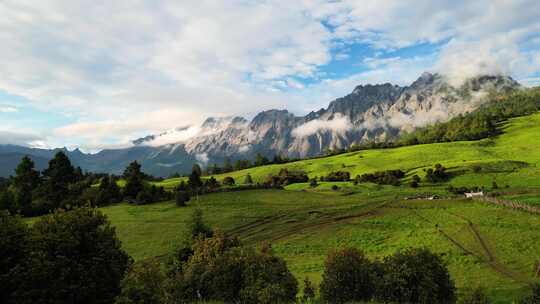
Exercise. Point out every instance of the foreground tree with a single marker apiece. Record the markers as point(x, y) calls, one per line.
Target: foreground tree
point(75, 257)
point(348, 276)
point(26, 180)
point(13, 253)
point(415, 276)
point(220, 270)
point(143, 284)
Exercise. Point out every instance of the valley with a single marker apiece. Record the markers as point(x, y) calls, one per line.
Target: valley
point(483, 244)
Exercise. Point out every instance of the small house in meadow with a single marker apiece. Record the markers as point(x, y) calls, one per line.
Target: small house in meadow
point(474, 194)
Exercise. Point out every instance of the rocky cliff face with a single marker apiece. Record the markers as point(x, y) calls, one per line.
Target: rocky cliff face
point(370, 113)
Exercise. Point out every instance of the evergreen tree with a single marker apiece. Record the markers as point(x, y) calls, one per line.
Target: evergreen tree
point(25, 181)
point(134, 180)
point(58, 176)
point(248, 180)
point(195, 182)
point(227, 166)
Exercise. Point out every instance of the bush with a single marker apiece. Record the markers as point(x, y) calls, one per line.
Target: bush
point(389, 177)
point(338, 176)
point(248, 180)
point(415, 276)
point(228, 181)
point(335, 187)
point(286, 177)
point(533, 297)
point(475, 296)
point(181, 198)
point(309, 291)
point(313, 183)
point(143, 284)
point(197, 227)
point(221, 270)
point(348, 276)
point(437, 175)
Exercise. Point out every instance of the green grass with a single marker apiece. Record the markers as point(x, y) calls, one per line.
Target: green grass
point(304, 225)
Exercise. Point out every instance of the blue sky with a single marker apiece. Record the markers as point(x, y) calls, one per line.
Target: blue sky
point(71, 77)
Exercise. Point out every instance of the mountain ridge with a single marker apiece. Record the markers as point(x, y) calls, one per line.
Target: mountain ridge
point(371, 112)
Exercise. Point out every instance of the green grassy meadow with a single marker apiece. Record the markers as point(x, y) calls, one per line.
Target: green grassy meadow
point(483, 244)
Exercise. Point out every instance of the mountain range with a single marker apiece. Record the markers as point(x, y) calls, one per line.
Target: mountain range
point(378, 112)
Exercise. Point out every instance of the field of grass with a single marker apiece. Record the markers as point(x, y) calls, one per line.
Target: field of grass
point(484, 245)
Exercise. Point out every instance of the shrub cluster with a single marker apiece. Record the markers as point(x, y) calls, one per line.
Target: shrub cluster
point(410, 276)
point(338, 176)
point(388, 177)
point(437, 174)
point(286, 177)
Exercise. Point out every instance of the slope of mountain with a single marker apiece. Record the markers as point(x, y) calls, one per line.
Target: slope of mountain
point(369, 113)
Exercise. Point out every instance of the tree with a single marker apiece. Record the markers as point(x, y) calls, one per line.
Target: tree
point(75, 257)
point(415, 276)
point(25, 181)
point(415, 181)
point(220, 270)
point(108, 192)
point(14, 240)
point(143, 284)
point(475, 296)
point(58, 176)
point(197, 226)
point(195, 182)
point(227, 166)
point(309, 291)
point(228, 181)
point(7, 201)
point(134, 180)
point(181, 197)
point(347, 277)
point(248, 180)
point(261, 160)
point(534, 296)
point(313, 183)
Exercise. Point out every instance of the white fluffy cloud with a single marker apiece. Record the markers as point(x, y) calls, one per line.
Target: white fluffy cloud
point(20, 138)
point(126, 68)
point(338, 124)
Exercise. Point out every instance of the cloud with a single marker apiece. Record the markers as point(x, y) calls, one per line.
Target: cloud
point(338, 124)
point(202, 159)
point(22, 139)
point(115, 74)
point(8, 109)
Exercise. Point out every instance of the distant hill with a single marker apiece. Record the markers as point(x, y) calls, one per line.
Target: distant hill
point(9, 161)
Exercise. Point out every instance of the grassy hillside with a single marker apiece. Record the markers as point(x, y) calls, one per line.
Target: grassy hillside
point(510, 159)
point(484, 245)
